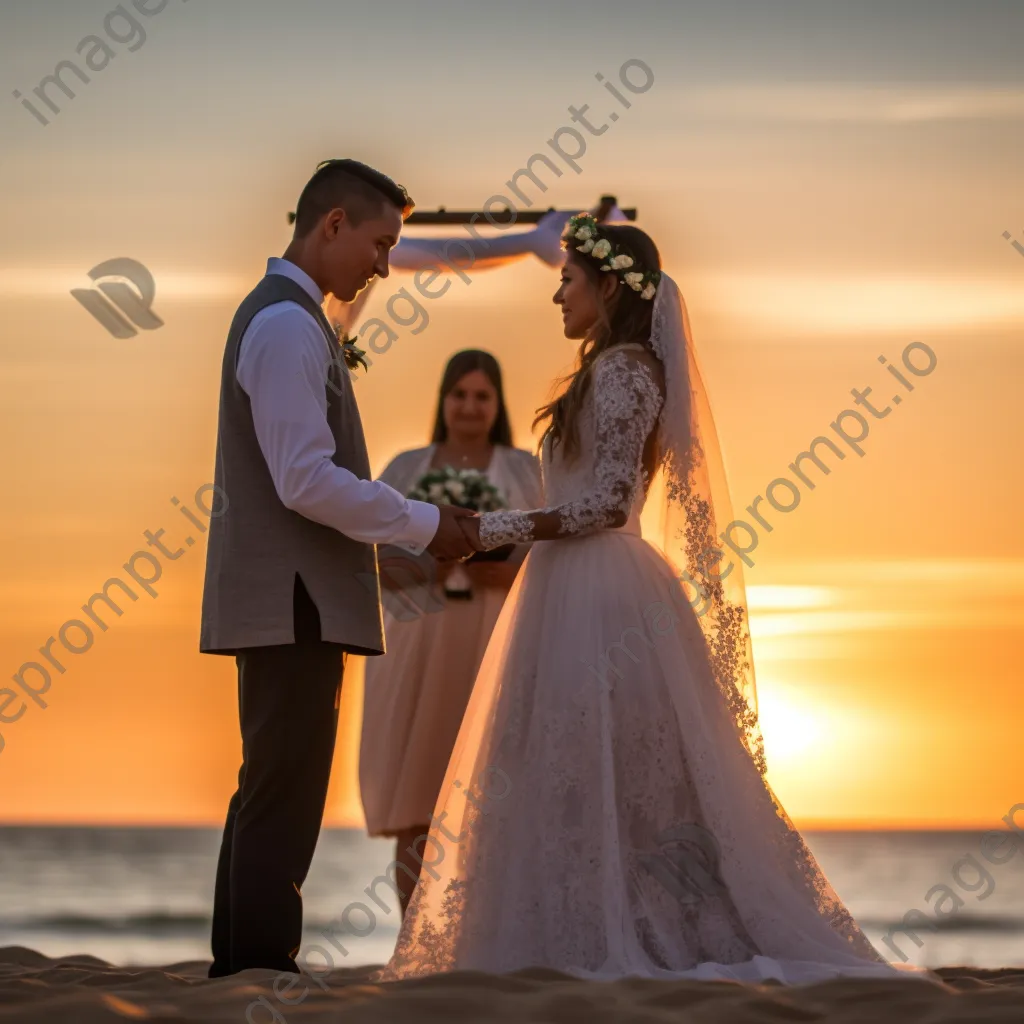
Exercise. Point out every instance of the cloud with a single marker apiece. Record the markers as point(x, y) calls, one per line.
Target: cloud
point(897, 595)
point(812, 304)
point(47, 282)
point(815, 102)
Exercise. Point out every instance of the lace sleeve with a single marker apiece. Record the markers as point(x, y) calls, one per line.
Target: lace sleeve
point(626, 403)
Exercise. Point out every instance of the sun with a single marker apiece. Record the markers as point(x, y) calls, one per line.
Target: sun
point(792, 728)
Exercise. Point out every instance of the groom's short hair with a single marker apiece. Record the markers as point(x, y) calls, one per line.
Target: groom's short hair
point(360, 190)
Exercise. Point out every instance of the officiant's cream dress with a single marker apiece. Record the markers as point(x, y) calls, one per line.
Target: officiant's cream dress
point(416, 693)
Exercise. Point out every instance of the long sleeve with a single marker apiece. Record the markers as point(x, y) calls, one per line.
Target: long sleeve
point(626, 402)
point(281, 368)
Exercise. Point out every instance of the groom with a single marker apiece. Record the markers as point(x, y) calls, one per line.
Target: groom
point(289, 561)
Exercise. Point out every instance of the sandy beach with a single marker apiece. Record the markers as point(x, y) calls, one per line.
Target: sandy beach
point(85, 990)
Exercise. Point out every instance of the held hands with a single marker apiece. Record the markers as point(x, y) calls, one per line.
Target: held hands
point(471, 528)
point(451, 541)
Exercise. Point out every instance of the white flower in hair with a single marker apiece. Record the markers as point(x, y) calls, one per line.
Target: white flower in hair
point(648, 292)
point(633, 279)
point(584, 233)
point(586, 246)
point(602, 248)
point(620, 262)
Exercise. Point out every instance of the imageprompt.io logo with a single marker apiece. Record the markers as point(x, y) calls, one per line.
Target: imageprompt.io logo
point(1013, 241)
point(122, 308)
point(687, 863)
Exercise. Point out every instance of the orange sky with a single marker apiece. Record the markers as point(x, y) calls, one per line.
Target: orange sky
point(814, 221)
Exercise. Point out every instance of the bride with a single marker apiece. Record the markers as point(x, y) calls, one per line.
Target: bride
point(605, 811)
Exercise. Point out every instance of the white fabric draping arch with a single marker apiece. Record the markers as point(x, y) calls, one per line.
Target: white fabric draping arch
point(469, 252)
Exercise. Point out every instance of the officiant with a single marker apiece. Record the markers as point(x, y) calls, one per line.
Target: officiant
point(416, 694)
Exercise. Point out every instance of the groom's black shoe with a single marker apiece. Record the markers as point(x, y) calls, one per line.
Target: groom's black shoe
point(288, 697)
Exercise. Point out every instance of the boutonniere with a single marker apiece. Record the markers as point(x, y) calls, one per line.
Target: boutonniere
point(354, 356)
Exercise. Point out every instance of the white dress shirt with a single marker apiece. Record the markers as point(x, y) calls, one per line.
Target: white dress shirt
point(281, 366)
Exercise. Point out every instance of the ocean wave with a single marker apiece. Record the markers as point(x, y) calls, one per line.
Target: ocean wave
point(160, 924)
point(153, 923)
point(950, 924)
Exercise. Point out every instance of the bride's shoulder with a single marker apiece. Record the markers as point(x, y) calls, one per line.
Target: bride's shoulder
point(633, 358)
point(627, 352)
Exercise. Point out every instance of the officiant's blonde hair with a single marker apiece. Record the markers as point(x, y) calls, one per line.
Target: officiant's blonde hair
point(625, 317)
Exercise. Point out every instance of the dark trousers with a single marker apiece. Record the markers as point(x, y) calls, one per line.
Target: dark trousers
point(288, 697)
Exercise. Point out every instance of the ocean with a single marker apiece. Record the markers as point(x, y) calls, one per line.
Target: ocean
point(143, 895)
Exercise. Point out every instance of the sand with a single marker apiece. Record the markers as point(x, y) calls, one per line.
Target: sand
point(84, 990)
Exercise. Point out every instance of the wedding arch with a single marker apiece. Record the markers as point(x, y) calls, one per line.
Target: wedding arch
point(469, 251)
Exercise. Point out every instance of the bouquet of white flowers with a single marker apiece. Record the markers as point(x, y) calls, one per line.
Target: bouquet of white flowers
point(466, 488)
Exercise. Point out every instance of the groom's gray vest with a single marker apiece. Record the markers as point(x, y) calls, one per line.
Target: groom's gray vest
point(257, 545)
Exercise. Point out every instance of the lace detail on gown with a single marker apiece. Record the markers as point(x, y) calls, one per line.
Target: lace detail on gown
point(505, 527)
point(626, 401)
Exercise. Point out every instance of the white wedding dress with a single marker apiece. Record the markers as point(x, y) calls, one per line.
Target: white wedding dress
point(600, 814)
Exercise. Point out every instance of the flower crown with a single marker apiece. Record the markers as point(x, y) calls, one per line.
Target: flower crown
point(585, 228)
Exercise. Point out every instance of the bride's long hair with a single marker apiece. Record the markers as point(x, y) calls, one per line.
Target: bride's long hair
point(625, 317)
